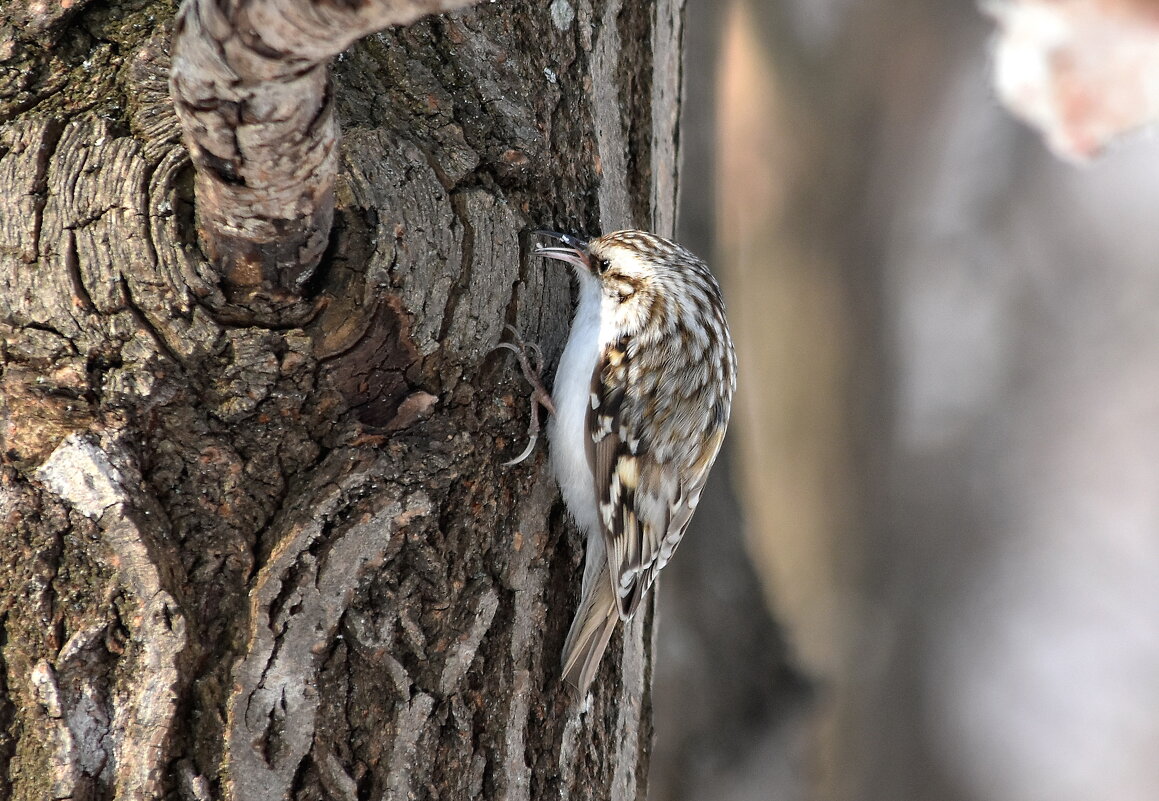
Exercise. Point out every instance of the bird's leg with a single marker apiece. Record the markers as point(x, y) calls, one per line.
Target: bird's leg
point(539, 394)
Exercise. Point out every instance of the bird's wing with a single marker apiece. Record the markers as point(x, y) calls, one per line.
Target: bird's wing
point(644, 503)
point(615, 460)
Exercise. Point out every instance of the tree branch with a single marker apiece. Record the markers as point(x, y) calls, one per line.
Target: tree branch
point(251, 89)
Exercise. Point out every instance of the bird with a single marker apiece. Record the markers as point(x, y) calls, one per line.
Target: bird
point(638, 410)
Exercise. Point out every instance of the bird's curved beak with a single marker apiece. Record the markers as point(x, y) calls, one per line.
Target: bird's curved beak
point(575, 250)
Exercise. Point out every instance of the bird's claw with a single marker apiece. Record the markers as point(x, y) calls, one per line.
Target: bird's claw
point(531, 440)
point(539, 395)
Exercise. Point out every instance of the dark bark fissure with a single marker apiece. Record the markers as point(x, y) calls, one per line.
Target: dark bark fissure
point(635, 29)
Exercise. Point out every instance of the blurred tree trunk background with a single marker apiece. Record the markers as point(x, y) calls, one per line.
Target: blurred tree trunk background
point(946, 445)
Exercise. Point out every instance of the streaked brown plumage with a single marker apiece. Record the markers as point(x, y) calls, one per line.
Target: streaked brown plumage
point(642, 398)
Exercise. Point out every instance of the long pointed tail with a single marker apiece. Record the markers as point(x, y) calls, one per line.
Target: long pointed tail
point(590, 631)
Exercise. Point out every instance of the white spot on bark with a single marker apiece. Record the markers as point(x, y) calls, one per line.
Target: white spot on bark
point(43, 679)
point(562, 14)
point(81, 473)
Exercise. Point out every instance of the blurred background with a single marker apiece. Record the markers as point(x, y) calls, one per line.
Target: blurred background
point(929, 565)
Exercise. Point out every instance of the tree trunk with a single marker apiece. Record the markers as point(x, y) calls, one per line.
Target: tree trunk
point(257, 561)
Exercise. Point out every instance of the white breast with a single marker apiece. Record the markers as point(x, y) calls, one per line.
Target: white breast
point(567, 429)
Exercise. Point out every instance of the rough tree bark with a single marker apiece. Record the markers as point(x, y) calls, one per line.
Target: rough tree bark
point(258, 559)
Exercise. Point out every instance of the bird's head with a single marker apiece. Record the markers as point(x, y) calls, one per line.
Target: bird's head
point(639, 274)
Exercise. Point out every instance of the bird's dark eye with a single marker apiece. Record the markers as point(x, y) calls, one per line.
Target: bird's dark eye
point(602, 266)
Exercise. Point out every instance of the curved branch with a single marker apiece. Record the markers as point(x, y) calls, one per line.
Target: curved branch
point(250, 86)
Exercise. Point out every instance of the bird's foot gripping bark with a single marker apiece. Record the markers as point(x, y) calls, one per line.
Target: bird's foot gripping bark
point(539, 395)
